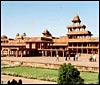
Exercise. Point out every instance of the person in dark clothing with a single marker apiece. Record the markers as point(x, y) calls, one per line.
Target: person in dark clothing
point(20, 82)
point(74, 57)
point(66, 56)
point(14, 82)
point(8, 83)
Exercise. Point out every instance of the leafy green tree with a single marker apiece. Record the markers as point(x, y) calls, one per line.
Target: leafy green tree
point(69, 75)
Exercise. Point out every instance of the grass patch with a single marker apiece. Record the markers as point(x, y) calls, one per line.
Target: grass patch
point(32, 72)
point(46, 74)
point(89, 77)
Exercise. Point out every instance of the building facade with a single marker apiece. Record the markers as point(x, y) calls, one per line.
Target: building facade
point(77, 40)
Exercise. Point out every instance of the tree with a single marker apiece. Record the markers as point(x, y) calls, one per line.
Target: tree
point(69, 75)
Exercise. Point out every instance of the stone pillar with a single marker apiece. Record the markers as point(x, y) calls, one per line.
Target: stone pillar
point(16, 53)
point(2, 52)
point(63, 53)
point(87, 51)
point(40, 45)
point(51, 53)
point(28, 53)
point(98, 51)
point(8, 52)
point(45, 53)
point(21, 53)
point(72, 44)
point(92, 50)
point(42, 53)
point(56, 52)
point(24, 52)
point(11, 52)
point(82, 51)
point(69, 57)
point(77, 50)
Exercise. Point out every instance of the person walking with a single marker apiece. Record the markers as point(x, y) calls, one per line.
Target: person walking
point(94, 58)
point(66, 57)
point(57, 57)
point(76, 57)
point(91, 58)
point(69, 57)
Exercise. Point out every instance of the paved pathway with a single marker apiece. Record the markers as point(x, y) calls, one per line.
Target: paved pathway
point(83, 61)
point(25, 80)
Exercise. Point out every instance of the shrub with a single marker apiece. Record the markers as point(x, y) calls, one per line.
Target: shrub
point(69, 75)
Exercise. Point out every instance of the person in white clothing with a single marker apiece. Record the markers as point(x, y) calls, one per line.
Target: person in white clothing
point(94, 58)
point(76, 57)
point(57, 57)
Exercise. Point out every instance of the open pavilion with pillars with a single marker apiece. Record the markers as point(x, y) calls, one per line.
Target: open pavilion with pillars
point(80, 39)
point(84, 47)
point(17, 51)
point(46, 48)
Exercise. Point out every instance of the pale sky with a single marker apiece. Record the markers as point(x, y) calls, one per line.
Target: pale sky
point(32, 17)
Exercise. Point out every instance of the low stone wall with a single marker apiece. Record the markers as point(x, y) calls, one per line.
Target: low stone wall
point(49, 65)
point(85, 55)
point(38, 64)
point(87, 68)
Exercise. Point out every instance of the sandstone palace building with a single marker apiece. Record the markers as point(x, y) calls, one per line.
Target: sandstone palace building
point(77, 40)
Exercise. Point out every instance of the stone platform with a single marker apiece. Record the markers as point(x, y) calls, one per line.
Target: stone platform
point(83, 63)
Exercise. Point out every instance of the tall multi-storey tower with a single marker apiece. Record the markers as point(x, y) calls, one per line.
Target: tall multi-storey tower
point(80, 39)
point(77, 30)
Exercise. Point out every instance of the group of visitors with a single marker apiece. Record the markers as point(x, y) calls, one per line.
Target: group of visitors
point(14, 82)
point(75, 58)
point(92, 58)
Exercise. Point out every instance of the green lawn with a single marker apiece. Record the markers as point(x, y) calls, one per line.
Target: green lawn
point(46, 74)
